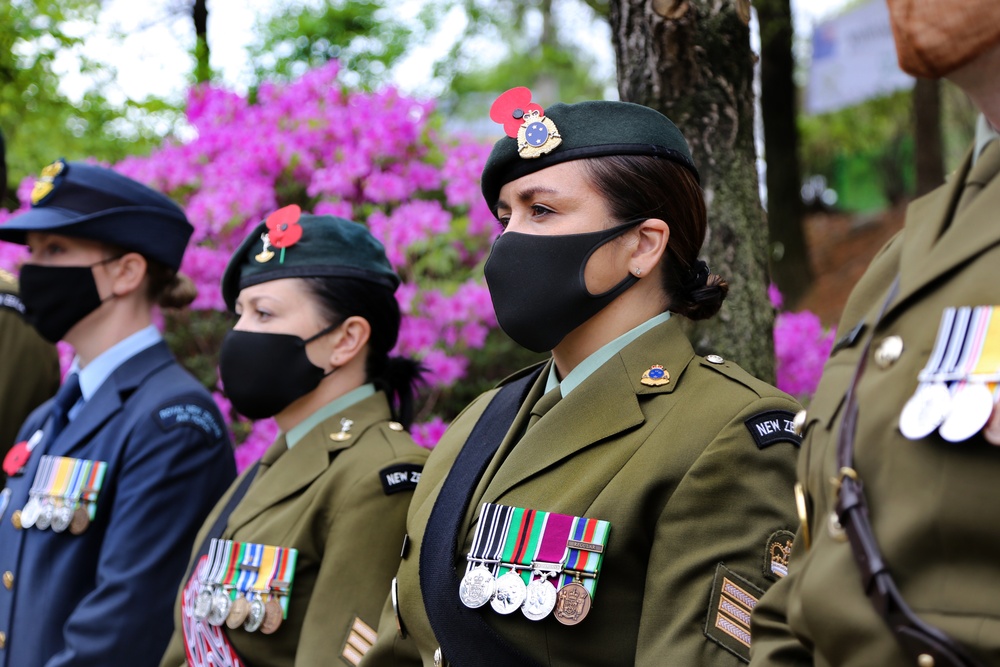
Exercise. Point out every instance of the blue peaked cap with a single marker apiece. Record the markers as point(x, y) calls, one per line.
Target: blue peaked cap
point(91, 202)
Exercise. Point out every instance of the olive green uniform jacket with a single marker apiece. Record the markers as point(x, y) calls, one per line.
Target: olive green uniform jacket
point(29, 372)
point(326, 498)
point(673, 468)
point(932, 503)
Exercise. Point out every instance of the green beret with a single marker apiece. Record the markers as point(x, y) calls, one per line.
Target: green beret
point(293, 245)
point(582, 130)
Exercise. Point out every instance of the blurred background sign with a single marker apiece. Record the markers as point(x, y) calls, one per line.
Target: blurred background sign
point(854, 60)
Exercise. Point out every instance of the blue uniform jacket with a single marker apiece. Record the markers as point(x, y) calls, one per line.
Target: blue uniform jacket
point(105, 598)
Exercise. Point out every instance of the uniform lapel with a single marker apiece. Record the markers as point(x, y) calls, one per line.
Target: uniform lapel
point(307, 460)
point(929, 254)
point(110, 397)
point(603, 406)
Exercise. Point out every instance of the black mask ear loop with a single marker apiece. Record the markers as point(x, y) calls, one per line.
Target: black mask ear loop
point(629, 279)
point(322, 332)
point(99, 263)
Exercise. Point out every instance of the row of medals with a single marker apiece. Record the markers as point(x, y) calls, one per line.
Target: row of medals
point(217, 607)
point(949, 400)
point(536, 600)
point(57, 513)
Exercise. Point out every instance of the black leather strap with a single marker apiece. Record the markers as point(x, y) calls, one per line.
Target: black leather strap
point(466, 639)
point(916, 637)
point(220, 521)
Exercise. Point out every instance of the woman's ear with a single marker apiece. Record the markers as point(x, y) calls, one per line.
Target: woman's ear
point(652, 238)
point(127, 273)
point(350, 338)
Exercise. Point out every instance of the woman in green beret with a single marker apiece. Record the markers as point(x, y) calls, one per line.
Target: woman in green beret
point(627, 501)
point(292, 565)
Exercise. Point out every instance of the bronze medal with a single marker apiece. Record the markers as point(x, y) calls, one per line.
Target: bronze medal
point(992, 430)
point(80, 522)
point(272, 617)
point(573, 603)
point(238, 613)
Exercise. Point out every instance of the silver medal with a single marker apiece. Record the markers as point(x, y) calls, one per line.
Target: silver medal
point(44, 519)
point(29, 515)
point(510, 593)
point(202, 605)
point(540, 599)
point(925, 411)
point(972, 406)
point(220, 607)
point(61, 518)
point(255, 616)
point(477, 587)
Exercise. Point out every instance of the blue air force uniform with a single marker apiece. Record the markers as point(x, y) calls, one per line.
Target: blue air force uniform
point(101, 593)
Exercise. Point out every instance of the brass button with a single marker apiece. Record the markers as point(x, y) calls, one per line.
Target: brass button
point(888, 351)
point(3, 639)
point(8, 580)
point(714, 359)
point(395, 426)
point(925, 660)
point(15, 519)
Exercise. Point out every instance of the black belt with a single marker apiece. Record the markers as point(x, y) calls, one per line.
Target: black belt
point(925, 644)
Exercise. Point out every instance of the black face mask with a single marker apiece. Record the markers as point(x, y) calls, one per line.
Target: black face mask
point(57, 297)
point(264, 373)
point(538, 288)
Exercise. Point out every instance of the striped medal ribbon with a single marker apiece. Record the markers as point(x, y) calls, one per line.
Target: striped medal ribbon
point(478, 584)
point(584, 553)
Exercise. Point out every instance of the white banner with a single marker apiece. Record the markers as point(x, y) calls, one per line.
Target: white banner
point(854, 59)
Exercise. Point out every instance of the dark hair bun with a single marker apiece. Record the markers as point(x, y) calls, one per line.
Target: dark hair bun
point(703, 302)
point(178, 293)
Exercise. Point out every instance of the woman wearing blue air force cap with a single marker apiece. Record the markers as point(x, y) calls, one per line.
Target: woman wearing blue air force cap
point(111, 478)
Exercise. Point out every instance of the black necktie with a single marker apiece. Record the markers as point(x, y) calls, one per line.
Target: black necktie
point(67, 396)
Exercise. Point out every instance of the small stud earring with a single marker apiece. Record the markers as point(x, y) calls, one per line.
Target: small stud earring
point(638, 271)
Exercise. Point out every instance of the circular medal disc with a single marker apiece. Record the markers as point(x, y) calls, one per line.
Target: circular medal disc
point(62, 516)
point(202, 605)
point(256, 615)
point(238, 613)
point(29, 515)
point(272, 617)
point(971, 408)
point(540, 601)
point(477, 587)
point(44, 519)
point(925, 411)
point(80, 522)
point(510, 593)
point(573, 603)
point(221, 604)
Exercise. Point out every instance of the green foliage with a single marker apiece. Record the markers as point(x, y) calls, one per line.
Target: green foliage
point(38, 121)
point(364, 35)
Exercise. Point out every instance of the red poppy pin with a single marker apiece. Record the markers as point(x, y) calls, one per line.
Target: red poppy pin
point(525, 121)
point(283, 231)
point(16, 458)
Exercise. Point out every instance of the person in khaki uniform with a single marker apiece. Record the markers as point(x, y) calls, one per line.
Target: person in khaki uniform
point(928, 469)
point(30, 371)
point(317, 319)
point(675, 469)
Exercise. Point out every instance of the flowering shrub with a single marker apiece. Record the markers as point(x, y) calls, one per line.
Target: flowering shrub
point(377, 158)
point(801, 348)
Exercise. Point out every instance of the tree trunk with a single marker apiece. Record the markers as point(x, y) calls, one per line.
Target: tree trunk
point(691, 59)
point(790, 268)
point(927, 119)
point(202, 68)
